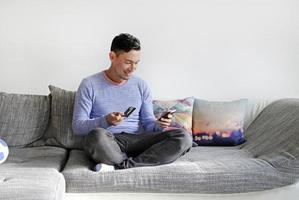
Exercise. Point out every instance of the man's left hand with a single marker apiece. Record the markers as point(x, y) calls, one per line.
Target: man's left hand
point(165, 122)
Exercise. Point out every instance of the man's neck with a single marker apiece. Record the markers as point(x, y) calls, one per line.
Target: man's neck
point(113, 78)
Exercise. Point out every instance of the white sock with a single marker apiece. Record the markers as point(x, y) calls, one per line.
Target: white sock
point(101, 167)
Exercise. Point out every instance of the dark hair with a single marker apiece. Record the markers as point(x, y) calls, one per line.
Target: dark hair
point(125, 42)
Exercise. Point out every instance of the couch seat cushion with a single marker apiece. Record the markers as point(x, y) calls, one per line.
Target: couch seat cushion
point(36, 157)
point(201, 153)
point(203, 170)
point(31, 184)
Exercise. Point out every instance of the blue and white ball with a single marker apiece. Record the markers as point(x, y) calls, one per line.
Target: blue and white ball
point(3, 151)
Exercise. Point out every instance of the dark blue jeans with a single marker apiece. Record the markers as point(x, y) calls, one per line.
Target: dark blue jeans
point(125, 150)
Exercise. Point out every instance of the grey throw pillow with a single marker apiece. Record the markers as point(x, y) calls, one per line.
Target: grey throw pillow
point(23, 118)
point(59, 132)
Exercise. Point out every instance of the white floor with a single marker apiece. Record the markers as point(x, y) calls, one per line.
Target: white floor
point(285, 193)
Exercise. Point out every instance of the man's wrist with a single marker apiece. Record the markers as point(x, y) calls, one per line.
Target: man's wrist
point(106, 119)
point(102, 122)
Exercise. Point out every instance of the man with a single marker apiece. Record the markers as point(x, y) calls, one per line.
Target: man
point(111, 139)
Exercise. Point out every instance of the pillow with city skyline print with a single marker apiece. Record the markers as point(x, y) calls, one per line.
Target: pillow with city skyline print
point(219, 123)
point(182, 118)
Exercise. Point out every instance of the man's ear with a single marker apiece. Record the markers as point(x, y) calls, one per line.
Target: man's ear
point(112, 55)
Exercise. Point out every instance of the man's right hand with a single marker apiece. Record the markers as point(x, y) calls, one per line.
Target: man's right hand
point(114, 118)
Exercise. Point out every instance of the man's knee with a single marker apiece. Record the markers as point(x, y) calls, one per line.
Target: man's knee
point(96, 137)
point(100, 145)
point(185, 139)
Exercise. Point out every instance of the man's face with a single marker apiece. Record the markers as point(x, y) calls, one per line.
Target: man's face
point(124, 63)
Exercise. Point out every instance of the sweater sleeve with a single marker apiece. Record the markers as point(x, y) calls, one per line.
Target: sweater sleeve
point(82, 124)
point(147, 117)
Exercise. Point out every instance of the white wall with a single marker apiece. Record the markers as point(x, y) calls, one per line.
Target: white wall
point(213, 49)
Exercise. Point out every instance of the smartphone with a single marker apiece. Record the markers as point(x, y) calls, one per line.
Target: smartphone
point(165, 114)
point(129, 111)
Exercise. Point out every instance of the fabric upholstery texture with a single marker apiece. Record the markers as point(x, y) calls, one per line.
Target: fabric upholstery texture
point(36, 157)
point(182, 118)
point(254, 108)
point(202, 170)
point(219, 123)
point(268, 159)
point(31, 184)
point(23, 118)
point(274, 136)
point(59, 132)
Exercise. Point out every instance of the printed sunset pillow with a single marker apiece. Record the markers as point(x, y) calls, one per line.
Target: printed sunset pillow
point(219, 123)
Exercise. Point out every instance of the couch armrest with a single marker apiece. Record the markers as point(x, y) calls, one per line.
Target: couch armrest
point(274, 135)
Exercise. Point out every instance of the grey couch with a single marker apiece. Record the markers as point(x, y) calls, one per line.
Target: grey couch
point(46, 159)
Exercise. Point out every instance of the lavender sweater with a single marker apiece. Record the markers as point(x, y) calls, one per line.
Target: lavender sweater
point(97, 97)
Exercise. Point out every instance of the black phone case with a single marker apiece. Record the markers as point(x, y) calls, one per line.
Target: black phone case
point(129, 111)
point(165, 115)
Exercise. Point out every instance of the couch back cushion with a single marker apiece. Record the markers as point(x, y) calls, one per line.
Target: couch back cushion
point(59, 132)
point(23, 118)
point(254, 108)
point(219, 123)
